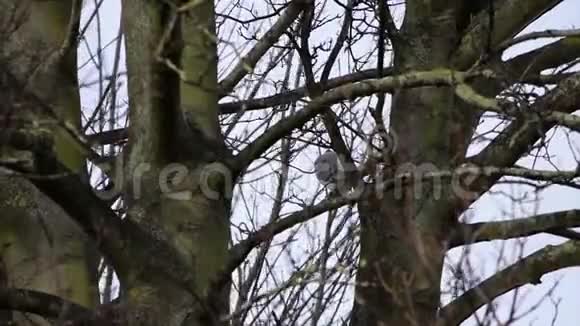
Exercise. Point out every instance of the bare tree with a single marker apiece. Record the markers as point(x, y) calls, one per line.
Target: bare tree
point(183, 186)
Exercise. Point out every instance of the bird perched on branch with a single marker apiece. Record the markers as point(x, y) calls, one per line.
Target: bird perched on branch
point(327, 168)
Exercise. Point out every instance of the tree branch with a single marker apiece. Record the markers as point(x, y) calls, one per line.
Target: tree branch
point(249, 61)
point(108, 137)
point(510, 18)
point(549, 33)
point(44, 304)
point(91, 213)
point(342, 37)
point(523, 227)
point(438, 77)
point(239, 252)
point(329, 118)
point(118, 135)
point(549, 56)
point(528, 270)
point(298, 93)
point(469, 95)
point(516, 138)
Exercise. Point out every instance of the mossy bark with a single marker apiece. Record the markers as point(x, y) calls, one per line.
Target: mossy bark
point(42, 248)
point(403, 231)
point(175, 155)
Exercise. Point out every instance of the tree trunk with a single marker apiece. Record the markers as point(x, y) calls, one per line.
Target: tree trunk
point(41, 247)
point(403, 233)
point(176, 182)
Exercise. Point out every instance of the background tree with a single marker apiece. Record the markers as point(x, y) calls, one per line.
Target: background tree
point(199, 199)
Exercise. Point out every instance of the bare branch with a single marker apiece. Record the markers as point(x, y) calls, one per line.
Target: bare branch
point(118, 135)
point(528, 270)
point(91, 213)
point(530, 124)
point(469, 95)
point(550, 33)
point(43, 304)
point(509, 19)
point(248, 63)
point(298, 93)
point(549, 56)
point(521, 134)
point(342, 36)
point(522, 227)
point(240, 251)
point(438, 77)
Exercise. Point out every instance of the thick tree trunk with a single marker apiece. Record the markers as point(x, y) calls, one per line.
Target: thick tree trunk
point(176, 184)
point(41, 248)
point(404, 230)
